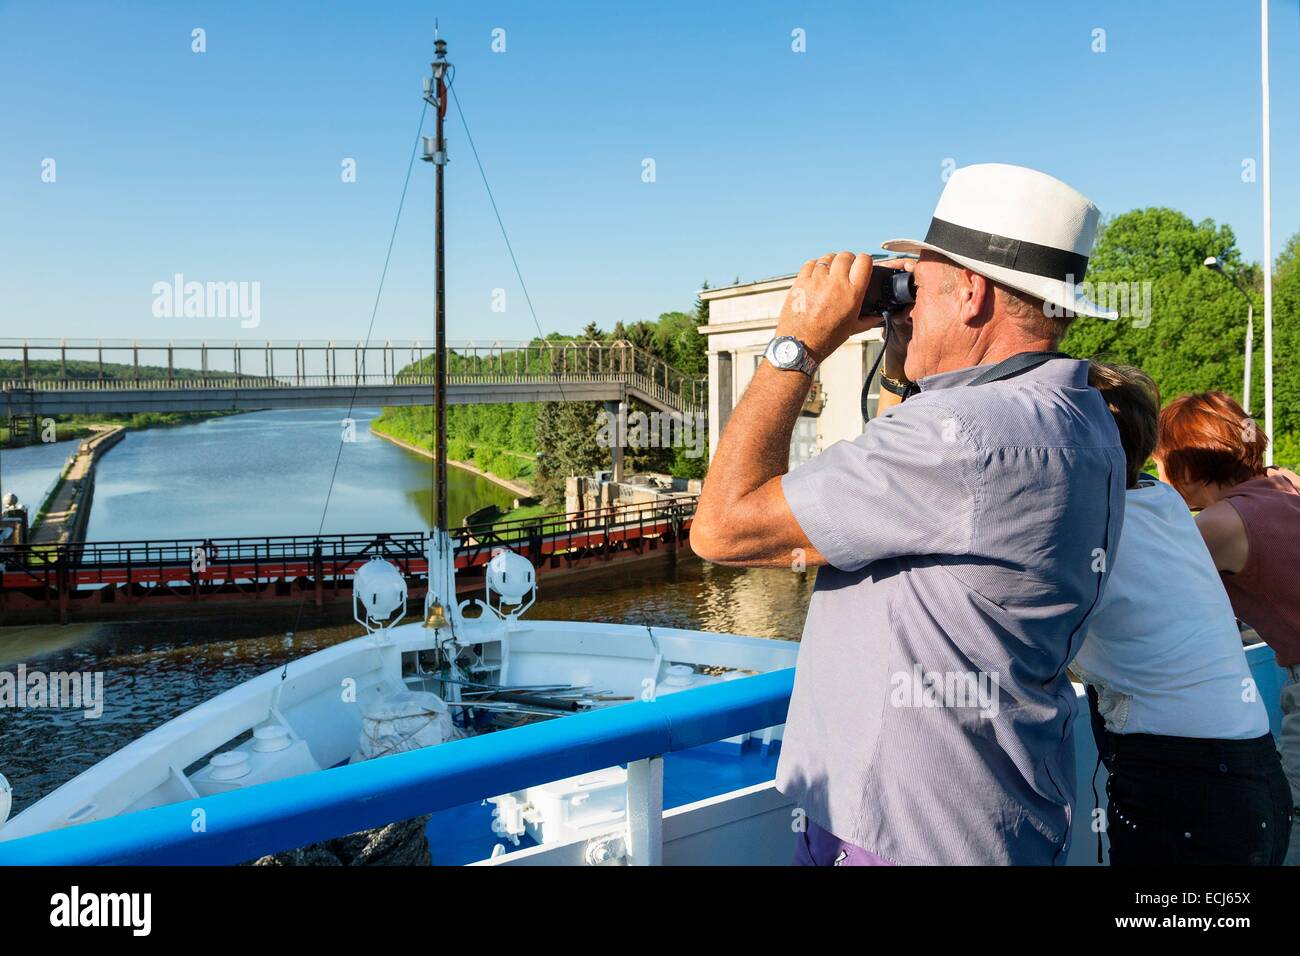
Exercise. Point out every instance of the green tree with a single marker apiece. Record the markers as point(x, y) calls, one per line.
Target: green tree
point(642, 335)
point(677, 341)
point(702, 307)
point(1152, 251)
point(1184, 324)
point(685, 466)
point(1286, 259)
point(1195, 339)
point(563, 436)
point(1286, 355)
point(566, 438)
point(1158, 241)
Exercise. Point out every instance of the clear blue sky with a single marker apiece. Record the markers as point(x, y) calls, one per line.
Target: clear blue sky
point(225, 165)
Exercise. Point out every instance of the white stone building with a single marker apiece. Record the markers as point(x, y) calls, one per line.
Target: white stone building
point(742, 320)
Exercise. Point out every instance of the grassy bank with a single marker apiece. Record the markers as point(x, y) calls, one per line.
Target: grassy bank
point(530, 510)
point(76, 427)
point(63, 431)
point(527, 511)
point(502, 463)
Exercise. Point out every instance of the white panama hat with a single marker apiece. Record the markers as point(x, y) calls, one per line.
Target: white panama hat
point(1017, 226)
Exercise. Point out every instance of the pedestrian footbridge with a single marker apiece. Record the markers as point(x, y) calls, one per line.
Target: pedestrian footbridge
point(69, 376)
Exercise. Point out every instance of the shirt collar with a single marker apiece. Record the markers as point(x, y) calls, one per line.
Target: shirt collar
point(1066, 372)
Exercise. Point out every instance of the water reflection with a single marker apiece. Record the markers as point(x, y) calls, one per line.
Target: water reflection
point(691, 594)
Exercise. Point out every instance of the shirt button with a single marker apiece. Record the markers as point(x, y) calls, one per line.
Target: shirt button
point(1223, 768)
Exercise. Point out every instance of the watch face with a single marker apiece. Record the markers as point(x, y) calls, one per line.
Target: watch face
point(786, 353)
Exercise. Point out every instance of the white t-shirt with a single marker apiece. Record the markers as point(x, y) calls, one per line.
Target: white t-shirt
point(1163, 648)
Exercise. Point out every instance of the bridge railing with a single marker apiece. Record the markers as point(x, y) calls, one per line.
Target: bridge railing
point(566, 531)
point(82, 365)
point(335, 554)
point(253, 557)
point(304, 381)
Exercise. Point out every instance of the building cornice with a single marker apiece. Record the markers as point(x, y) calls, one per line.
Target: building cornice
point(748, 288)
point(757, 325)
point(749, 325)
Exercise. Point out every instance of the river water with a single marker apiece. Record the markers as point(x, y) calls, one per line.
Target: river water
point(267, 473)
point(30, 472)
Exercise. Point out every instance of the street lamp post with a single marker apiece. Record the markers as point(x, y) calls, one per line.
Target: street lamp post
point(1214, 263)
point(1265, 180)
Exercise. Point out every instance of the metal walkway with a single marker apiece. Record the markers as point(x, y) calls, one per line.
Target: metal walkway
point(70, 376)
point(104, 580)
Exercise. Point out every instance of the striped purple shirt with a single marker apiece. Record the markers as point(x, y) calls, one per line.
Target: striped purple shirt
point(968, 533)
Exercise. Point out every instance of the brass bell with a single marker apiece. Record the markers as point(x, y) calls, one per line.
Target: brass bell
point(437, 616)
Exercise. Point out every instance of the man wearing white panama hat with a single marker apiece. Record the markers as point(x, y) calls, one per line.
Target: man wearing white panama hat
point(962, 539)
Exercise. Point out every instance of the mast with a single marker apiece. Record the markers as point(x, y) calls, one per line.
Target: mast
point(442, 570)
point(435, 151)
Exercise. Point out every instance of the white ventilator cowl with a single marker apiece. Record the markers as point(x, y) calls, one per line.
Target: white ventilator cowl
point(1019, 227)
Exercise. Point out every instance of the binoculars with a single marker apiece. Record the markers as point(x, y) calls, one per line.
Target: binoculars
point(888, 291)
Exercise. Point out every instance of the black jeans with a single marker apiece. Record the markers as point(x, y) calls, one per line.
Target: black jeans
point(1188, 801)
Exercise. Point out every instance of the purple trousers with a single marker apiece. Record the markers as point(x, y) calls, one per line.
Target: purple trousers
point(819, 847)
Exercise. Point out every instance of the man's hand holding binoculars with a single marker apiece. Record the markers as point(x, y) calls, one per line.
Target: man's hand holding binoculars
point(841, 294)
point(823, 307)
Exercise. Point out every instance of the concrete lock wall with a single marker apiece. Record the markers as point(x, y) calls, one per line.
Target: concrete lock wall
point(590, 494)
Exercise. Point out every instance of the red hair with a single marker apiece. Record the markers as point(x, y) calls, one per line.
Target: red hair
point(1208, 437)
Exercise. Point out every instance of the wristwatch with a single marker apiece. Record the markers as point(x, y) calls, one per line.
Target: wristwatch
point(790, 355)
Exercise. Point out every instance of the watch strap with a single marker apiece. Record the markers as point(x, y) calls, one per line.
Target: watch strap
point(807, 364)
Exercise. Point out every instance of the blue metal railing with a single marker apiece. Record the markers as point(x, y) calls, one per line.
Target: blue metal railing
point(246, 824)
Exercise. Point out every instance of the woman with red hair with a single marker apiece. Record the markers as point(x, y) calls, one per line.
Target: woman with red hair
point(1212, 452)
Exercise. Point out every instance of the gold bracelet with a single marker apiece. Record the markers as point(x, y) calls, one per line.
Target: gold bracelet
point(902, 389)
